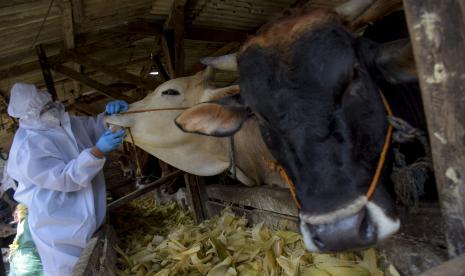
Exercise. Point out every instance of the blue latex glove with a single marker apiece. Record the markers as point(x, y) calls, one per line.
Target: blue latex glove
point(110, 140)
point(116, 106)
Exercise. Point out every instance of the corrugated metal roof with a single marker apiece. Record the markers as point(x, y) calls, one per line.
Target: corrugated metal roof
point(103, 13)
point(239, 15)
point(20, 24)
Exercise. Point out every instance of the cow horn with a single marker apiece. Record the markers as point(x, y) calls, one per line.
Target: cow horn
point(353, 8)
point(209, 73)
point(378, 10)
point(226, 62)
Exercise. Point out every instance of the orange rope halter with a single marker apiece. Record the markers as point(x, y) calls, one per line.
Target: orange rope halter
point(383, 154)
point(153, 109)
point(282, 173)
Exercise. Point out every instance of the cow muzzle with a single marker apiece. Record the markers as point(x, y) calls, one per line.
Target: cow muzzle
point(119, 120)
point(360, 229)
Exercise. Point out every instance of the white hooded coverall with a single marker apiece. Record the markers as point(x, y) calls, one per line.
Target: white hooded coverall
point(60, 180)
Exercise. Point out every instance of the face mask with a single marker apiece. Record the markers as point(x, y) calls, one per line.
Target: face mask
point(52, 113)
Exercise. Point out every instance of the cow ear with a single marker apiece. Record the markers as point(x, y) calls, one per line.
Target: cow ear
point(396, 63)
point(212, 119)
point(223, 92)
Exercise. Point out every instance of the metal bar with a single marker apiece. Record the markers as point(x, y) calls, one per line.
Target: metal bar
point(147, 188)
point(46, 71)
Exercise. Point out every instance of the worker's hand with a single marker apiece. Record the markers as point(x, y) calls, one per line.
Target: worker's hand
point(116, 106)
point(110, 140)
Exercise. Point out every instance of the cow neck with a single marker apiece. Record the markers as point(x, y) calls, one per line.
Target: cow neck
point(375, 180)
point(232, 157)
point(139, 170)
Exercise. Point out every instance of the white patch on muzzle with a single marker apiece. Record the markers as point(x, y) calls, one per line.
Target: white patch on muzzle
point(385, 226)
point(308, 240)
point(335, 215)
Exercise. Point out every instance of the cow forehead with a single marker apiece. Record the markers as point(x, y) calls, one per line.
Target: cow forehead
point(284, 31)
point(190, 84)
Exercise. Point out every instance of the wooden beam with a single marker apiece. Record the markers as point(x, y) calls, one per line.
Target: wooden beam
point(167, 55)
point(90, 257)
point(215, 35)
point(140, 26)
point(67, 23)
point(78, 11)
point(189, 11)
point(437, 29)
point(110, 70)
point(101, 88)
point(197, 196)
point(174, 12)
point(145, 189)
point(115, 41)
point(79, 109)
point(91, 73)
point(122, 36)
point(300, 4)
point(85, 108)
point(160, 67)
point(179, 55)
point(260, 197)
point(173, 39)
point(68, 33)
point(48, 79)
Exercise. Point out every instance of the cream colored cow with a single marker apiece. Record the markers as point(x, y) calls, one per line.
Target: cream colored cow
point(156, 133)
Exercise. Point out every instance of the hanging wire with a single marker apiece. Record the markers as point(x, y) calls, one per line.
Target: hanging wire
point(43, 23)
point(35, 39)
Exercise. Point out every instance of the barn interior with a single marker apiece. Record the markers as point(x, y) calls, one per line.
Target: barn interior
point(89, 52)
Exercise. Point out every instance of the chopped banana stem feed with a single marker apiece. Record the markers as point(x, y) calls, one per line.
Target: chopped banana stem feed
point(164, 241)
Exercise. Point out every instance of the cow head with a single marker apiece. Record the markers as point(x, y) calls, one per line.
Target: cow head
point(312, 85)
point(156, 133)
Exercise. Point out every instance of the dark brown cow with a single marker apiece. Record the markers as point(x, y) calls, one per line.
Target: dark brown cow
point(312, 85)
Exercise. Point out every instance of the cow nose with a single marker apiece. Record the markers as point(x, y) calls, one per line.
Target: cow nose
point(355, 231)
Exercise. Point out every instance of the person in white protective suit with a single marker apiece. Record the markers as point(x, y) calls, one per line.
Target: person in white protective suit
point(57, 160)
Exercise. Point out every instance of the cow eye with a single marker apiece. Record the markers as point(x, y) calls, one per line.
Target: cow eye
point(171, 92)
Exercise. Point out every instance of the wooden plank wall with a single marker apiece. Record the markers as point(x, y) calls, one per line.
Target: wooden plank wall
point(437, 29)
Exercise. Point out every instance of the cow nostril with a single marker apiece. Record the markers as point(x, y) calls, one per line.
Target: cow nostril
point(367, 229)
point(317, 241)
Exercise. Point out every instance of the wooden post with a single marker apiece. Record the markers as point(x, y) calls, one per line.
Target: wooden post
point(69, 41)
point(197, 196)
point(167, 54)
point(46, 72)
point(160, 67)
point(437, 31)
point(179, 55)
point(173, 39)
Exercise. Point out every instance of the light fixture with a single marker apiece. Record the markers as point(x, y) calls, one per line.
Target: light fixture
point(153, 68)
